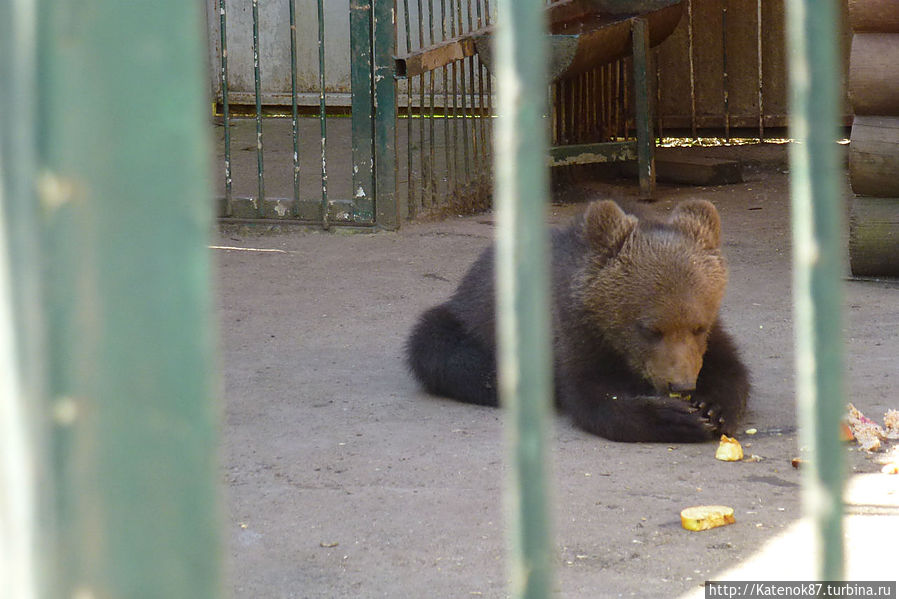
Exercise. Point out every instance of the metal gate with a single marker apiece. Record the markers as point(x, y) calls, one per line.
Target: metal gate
point(272, 60)
point(387, 107)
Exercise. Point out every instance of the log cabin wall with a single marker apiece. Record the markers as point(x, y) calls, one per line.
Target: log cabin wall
point(874, 143)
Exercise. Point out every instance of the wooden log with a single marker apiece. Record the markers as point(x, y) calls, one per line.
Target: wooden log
point(879, 16)
point(874, 156)
point(874, 237)
point(685, 167)
point(873, 76)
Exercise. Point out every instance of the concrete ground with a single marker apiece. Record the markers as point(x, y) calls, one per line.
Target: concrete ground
point(343, 479)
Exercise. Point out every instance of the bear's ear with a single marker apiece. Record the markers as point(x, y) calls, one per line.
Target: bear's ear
point(699, 219)
point(606, 227)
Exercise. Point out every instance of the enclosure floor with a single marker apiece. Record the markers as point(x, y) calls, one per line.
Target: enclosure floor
point(344, 480)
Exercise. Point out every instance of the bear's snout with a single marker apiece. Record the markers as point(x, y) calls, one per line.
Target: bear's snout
point(682, 388)
point(674, 366)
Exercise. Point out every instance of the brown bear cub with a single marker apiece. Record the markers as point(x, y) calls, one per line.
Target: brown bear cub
point(639, 351)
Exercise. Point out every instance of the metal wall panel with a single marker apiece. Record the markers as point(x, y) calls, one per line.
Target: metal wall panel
point(274, 51)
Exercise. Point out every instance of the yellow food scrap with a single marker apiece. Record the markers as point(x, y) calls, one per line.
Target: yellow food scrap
point(868, 434)
point(729, 450)
point(891, 424)
point(704, 517)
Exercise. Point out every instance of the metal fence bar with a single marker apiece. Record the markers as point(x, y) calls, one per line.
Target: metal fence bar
point(725, 83)
point(473, 94)
point(411, 207)
point(690, 57)
point(226, 116)
point(463, 92)
point(817, 289)
point(257, 83)
point(489, 81)
point(432, 156)
point(125, 215)
point(522, 290)
point(761, 94)
point(322, 114)
point(257, 86)
point(25, 508)
point(363, 111)
point(293, 107)
point(424, 175)
point(384, 34)
point(455, 93)
point(643, 106)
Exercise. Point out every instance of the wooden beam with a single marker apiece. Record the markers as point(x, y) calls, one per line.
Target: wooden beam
point(438, 55)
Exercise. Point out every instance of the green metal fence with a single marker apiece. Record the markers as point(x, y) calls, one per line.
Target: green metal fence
point(310, 198)
point(817, 267)
point(108, 424)
point(109, 453)
point(446, 99)
point(522, 286)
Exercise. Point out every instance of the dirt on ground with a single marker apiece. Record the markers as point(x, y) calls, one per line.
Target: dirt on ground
point(343, 479)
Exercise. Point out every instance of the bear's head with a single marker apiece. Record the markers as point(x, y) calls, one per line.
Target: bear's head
point(652, 288)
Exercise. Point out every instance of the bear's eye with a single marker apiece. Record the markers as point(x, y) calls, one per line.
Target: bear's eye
point(649, 332)
point(700, 330)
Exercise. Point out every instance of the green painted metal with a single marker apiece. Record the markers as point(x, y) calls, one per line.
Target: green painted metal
point(643, 107)
point(432, 154)
point(125, 213)
point(463, 96)
point(425, 170)
point(25, 488)
point(293, 106)
point(257, 83)
point(448, 148)
point(384, 32)
point(322, 113)
point(725, 82)
point(226, 116)
point(818, 266)
point(362, 104)
point(522, 285)
point(412, 207)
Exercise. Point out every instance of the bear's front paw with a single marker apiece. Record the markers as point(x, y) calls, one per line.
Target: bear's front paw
point(680, 419)
point(716, 415)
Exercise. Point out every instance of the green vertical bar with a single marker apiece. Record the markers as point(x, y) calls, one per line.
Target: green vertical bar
point(384, 30)
point(362, 105)
point(450, 155)
point(817, 266)
point(522, 290)
point(725, 82)
point(257, 85)
point(412, 207)
point(25, 511)
point(226, 110)
point(322, 113)
point(422, 161)
point(432, 155)
point(464, 97)
point(643, 107)
point(291, 6)
point(126, 213)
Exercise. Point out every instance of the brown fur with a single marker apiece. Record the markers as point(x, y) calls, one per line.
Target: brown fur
point(639, 352)
point(658, 299)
